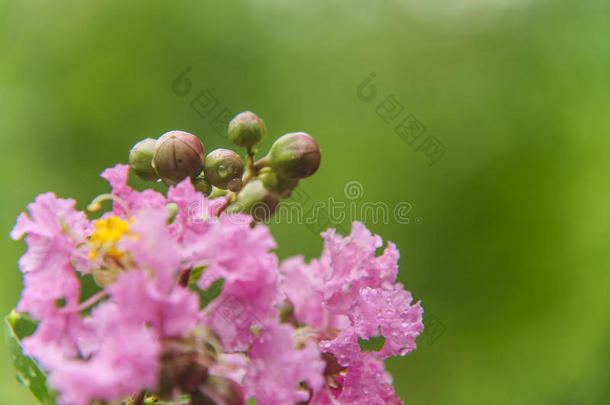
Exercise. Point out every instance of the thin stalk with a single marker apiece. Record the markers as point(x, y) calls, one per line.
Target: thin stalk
point(94, 299)
point(138, 399)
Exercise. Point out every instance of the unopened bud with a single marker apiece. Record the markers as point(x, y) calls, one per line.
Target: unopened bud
point(202, 185)
point(140, 159)
point(255, 200)
point(223, 169)
point(280, 185)
point(295, 155)
point(247, 129)
point(178, 155)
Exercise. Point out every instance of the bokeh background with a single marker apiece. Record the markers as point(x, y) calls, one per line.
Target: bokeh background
point(508, 240)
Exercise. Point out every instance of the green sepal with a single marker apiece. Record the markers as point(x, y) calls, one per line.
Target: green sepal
point(28, 372)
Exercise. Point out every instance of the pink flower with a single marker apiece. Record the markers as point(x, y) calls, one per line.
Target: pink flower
point(56, 337)
point(127, 361)
point(390, 311)
point(351, 290)
point(277, 367)
point(152, 247)
point(132, 200)
point(365, 380)
point(122, 341)
point(195, 211)
point(367, 383)
point(145, 331)
point(142, 304)
point(53, 231)
point(230, 249)
point(303, 286)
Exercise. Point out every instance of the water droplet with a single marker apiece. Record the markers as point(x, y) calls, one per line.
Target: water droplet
point(223, 171)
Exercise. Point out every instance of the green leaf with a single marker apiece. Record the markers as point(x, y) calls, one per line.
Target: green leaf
point(196, 275)
point(207, 296)
point(28, 372)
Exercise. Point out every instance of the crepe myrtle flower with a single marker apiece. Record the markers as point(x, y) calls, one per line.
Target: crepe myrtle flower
point(191, 303)
point(350, 294)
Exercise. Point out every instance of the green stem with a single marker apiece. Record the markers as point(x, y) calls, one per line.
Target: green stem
point(96, 204)
point(229, 199)
point(262, 163)
point(251, 171)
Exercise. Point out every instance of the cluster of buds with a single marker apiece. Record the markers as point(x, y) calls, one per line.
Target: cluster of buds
point(254, 187)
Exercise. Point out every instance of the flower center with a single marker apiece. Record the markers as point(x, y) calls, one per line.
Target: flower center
point(108, 232)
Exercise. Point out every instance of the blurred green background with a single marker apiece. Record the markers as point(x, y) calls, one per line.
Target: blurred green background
point(508, 243)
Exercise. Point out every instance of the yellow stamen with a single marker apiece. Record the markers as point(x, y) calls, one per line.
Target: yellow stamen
point(108, 232)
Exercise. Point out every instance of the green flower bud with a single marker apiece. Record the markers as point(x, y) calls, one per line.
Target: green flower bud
point(295, 155)
point(140, 159)
point(178, 155)
point(223, 169)
point(280, 185)
point(202, 185)
point(247, 129)
point(255, 200)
